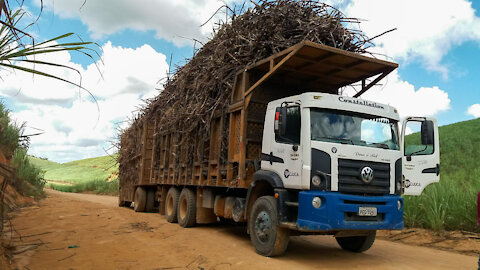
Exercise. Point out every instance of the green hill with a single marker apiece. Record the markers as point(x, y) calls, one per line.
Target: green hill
point(93, 174)
point(78, 171)
point(451, 204)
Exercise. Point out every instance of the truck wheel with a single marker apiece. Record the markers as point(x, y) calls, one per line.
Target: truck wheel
point(140, 199)
point(187, 208)
point(357, 243)
point(171, 205)
point(150, 203)
point(267, 237)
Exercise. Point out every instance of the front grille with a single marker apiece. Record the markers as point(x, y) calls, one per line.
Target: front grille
point(350, 180)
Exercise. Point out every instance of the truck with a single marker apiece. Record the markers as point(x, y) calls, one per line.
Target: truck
point(299, 157)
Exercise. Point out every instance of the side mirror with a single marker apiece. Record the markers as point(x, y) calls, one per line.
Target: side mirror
point(281, 121)
point(427, 132)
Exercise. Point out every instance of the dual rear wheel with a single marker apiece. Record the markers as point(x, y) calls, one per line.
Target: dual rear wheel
point(181, 207)
point(144, 200)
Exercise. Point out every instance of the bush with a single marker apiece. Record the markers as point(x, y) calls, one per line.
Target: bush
point(9, 132)
point(98, 186)
point(449, 205)
point(27, 172)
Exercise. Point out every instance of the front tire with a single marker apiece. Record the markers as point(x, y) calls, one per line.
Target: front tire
point(171, 205)
point(357, 243)
point(140, 199)
point(187, 208)
point(267, 237)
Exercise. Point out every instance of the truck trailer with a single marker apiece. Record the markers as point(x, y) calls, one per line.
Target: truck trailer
point(300, 158)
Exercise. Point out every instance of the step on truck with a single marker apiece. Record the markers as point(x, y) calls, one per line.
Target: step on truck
point(300, 158)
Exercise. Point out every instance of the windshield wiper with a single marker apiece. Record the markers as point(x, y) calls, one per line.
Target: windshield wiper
point(382, 145)
point(339, 139)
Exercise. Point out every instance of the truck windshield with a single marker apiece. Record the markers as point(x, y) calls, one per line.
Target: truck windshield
point(357, 129)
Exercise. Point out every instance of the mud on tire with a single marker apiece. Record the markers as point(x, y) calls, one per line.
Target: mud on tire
point(171, 204)
point(187, 208)
point(140, 199)
point(267, 237)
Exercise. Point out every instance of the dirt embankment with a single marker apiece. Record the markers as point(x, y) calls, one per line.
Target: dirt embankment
point(82, 231)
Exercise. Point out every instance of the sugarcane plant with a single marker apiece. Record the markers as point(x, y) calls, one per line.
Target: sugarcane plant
point(18, 49)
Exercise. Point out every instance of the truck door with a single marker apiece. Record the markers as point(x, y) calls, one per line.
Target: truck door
point(421, 154)
point(285, 149)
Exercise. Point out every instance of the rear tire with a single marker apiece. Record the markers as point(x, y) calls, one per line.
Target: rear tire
point(171, 205)
point(140, 199)
point(187, 208)
point(357, 243)
point(267, 237)
point(150, 203)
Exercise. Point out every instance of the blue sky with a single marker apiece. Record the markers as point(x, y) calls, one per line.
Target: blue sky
point(437, 46)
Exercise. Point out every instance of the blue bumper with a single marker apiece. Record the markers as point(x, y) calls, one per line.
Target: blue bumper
point(339, 212)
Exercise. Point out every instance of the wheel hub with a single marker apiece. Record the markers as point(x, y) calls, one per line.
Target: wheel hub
point(263, 226)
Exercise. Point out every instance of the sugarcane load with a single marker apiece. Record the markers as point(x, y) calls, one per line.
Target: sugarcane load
point(254, 128)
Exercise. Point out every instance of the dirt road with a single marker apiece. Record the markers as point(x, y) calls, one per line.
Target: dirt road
point(81, 231)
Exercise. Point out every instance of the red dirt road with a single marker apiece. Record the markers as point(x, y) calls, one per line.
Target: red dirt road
point(82, 231)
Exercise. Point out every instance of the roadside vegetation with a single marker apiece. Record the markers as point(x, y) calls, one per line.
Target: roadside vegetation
point(451, 204)
point(96, 175)
point(27, 179)
point(98, 186)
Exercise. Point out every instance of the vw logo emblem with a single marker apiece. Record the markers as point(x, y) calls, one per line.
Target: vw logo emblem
point(367, 175)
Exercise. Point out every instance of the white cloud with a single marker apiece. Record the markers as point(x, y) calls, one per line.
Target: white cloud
point(474, 110)
point(408, 130)
point(178, 21)
point(424, 101)
point(73, 127)
point(426, 30)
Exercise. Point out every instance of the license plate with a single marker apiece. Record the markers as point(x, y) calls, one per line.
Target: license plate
point(367, 211)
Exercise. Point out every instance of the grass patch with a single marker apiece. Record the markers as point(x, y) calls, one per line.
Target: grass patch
point(9, 132)
point(30, 177)
point(451, 204)
point(98, 186)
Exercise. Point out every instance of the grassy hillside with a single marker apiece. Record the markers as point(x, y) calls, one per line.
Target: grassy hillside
point(451, 204)
point(94, 174)
point(78, 171)
point(106, 163)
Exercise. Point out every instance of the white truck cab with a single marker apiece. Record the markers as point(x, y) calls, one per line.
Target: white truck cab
point(337, 143)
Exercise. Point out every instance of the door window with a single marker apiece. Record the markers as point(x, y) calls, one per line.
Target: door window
point(413, 140)
point(292, 131)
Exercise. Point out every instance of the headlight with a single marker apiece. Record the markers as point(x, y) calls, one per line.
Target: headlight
point(399, 205)
point(317, 202)
point(316, 180)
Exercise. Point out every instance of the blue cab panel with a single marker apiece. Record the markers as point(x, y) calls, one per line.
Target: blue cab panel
point(340, 212)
